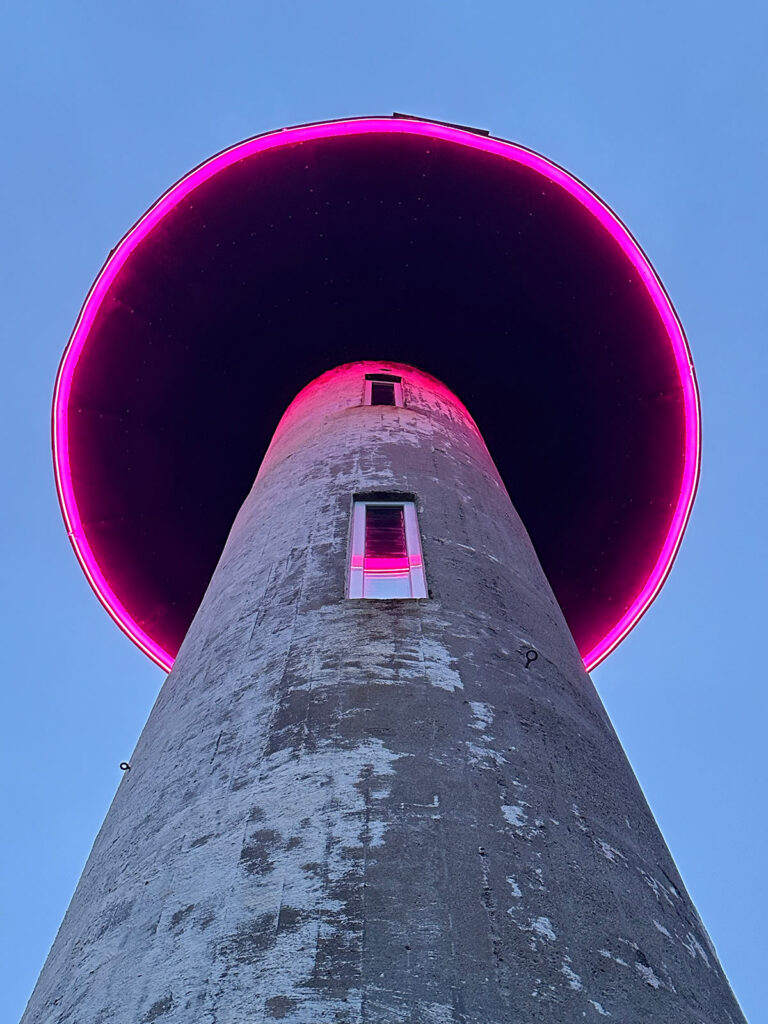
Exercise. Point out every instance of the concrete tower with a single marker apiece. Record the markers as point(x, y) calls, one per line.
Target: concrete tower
point(378, 784)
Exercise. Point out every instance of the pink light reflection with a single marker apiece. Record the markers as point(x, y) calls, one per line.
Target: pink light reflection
point(386, 564)
point(360, 126)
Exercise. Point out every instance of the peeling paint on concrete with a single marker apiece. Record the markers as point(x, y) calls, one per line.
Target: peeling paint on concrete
point(542, 926)
point(608, 851)
point(574, 981)
point(694, 947)
point(610, 956)
point(485, 757)
point(483, 714)
point(660, 891)
point(647, 974)
point(516, 890)
point(600, 1009)
point(514, 814)
point(439, 667)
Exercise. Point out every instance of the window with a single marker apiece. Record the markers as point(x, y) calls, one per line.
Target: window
point(383, 389)
point(385, 556)
point(382, 392)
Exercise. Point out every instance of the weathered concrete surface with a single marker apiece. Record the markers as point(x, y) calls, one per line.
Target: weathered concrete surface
point(348, 811)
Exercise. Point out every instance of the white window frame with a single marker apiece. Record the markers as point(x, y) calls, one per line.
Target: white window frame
point(356, 577)
point(398, 386)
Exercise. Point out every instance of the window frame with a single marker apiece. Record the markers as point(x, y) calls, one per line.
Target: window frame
point(356, 562)
point(383, 378)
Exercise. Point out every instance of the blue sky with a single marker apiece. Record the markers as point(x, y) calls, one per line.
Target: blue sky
point(660, 107)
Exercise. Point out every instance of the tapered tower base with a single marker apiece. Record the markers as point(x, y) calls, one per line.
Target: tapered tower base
point(351, 810)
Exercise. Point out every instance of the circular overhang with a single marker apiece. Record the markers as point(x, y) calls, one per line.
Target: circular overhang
point(470, 257)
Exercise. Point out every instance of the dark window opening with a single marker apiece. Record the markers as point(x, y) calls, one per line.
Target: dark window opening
point(382, 393)
point(383, 389)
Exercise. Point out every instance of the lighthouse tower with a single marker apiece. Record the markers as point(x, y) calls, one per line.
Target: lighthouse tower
point(378, 784)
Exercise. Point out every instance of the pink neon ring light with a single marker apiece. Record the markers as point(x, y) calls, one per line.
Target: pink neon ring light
point(360, 126)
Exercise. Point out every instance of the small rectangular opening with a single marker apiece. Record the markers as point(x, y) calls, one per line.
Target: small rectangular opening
point(382, 393)
point(383, 389)
point(385, 551)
